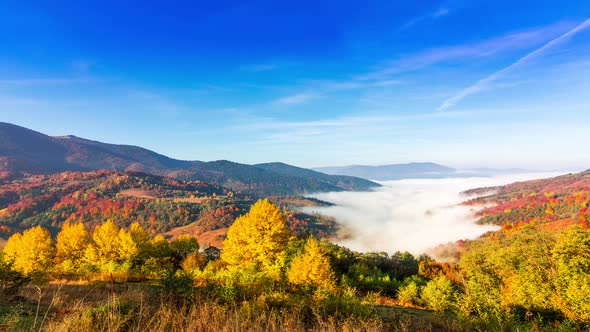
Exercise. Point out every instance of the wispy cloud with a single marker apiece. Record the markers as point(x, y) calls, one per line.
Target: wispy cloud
point(354, 84)
point(440, 12)
point(211, 89)
point(82, 66)
point(484, 82)
point(259, 67)
point(43, 81)
point(360, 121)
point(299, 98)
point(371, 127)
point(486, 48)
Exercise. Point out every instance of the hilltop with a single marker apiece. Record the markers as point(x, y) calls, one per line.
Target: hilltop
point(555, 202)
point(391, 172)
point(24, 151)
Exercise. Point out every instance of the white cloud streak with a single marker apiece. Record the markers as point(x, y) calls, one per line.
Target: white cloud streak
point(295, 99)
point(485, 48)
point(484, 82)
point(430, 16)
point(259, 67)
point(43, 81)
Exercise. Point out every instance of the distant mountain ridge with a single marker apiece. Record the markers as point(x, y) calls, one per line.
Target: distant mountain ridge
point(391, 172)
point(26, 151)
point(341, 181)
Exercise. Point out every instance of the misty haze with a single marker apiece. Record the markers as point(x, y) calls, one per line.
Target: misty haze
point(413, 215)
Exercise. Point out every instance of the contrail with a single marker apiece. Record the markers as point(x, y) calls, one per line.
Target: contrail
point(481, 84)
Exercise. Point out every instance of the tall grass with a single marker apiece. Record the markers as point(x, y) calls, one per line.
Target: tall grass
point(207, 316)
point(143, 307)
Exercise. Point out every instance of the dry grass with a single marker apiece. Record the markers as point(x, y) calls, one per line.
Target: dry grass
point(116, 315)
point(83, 306)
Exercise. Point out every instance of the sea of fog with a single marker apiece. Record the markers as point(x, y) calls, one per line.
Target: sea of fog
point(411, 215)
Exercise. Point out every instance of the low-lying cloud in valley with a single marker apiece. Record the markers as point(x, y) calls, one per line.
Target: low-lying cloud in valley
point(411, 215)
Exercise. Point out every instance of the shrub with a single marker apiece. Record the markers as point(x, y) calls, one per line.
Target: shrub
point(439, 294)
point(409, 293)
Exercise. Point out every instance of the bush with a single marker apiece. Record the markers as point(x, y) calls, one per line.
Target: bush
point(178, 286)
point(10, 280)
point(409, 293)
point(439, 294)
point(370, 278)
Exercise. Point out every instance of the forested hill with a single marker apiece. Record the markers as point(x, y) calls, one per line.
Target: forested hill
point(24, 151)
point(158, 203)
point(554, 202)
point(340, 181)
point(392, 172)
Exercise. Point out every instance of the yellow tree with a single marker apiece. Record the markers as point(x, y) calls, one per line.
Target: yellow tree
point(258, 239)
point(31, 251)
point(72, 241)
point(128, 248)
point(312, 267)
point(12, 247)
point(106, 247)
point(141, 238)
point(571, 254)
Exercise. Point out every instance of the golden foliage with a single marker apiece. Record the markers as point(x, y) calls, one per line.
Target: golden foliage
point(106, 247)
point(572, 258)
point(312, 267)
point(192, 262)
point(71, 242)
point(31, 251)
point(141, 238)
point(128, 247)
point(257, 239)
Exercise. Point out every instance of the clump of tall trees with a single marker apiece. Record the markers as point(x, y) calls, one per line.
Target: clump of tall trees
point(77, 252)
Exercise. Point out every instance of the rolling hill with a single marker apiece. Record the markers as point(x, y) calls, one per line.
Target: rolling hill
point(340, 181)
point(160, 204)
point(390, 172)
point(24, 151)
point(552, 203)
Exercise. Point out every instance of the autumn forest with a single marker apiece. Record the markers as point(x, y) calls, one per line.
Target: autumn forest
point(142, 246)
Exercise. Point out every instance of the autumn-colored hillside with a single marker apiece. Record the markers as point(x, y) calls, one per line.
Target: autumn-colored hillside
point(160, 204)
point(554, 202)
point(24, 151)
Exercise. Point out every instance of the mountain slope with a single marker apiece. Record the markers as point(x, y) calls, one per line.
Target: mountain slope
point(26, 151)
point(341, 181)
point(553, 202)
point(390, 172)
point(160, 204)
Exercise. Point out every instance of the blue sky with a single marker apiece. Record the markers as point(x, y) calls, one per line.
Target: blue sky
point(312, 83)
